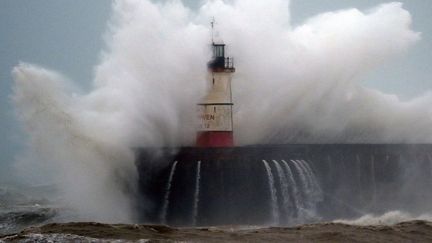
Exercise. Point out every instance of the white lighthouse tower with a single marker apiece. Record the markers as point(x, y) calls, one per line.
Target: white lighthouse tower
point(215, 112)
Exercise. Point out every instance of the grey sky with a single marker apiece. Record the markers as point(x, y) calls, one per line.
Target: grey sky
point(67, 36)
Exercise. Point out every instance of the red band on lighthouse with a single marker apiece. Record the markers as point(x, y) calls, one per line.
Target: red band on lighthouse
point(215, 139)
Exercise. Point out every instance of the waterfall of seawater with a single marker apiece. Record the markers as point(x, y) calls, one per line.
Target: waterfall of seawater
point(309, 186)
point(164, 212)
point(303, 198)
point(196, 194)
point(315, 188)
point(284, 187)
point(274, 200)
point(293, 183)
point(303, 190)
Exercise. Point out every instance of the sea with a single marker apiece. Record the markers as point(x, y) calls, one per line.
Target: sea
point(27, 215)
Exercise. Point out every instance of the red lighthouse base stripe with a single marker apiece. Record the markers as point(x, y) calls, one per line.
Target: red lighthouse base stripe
point(215, 139)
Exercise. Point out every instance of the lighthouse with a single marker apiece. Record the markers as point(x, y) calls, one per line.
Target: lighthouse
point(215, 111)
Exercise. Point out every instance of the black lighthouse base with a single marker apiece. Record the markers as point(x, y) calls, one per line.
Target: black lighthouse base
point(281, 184)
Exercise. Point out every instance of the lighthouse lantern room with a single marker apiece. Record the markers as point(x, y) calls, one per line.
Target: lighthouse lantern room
point(215, 112)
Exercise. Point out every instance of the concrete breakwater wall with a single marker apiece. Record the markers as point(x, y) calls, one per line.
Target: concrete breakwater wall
point(281, 184)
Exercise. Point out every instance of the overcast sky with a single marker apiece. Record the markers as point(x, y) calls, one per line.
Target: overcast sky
point(67, 36)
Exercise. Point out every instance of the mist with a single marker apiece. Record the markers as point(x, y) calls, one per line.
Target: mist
point(293, 84)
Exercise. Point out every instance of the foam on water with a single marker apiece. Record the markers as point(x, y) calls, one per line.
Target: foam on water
point(389, 218)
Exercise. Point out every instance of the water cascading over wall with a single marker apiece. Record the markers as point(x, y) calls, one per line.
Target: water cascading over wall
point(281, 184)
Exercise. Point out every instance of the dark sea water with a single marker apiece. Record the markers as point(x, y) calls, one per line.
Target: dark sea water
point(412, 231)
point(16, 219)
point(38, 223)
point(21, 208)
point(26, 216)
